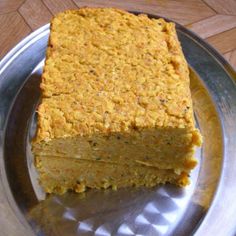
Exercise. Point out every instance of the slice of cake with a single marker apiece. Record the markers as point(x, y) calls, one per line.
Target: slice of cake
point(116, 107)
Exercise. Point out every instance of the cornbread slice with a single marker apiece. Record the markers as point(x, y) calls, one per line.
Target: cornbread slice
point(116, 107)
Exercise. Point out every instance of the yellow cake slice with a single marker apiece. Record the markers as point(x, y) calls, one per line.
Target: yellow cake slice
point(116, 107)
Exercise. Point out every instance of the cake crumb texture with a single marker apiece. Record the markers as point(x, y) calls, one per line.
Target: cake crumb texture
point(108, 74)
point(123, 71)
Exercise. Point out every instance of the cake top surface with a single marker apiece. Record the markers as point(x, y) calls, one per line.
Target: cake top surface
point(108, 70)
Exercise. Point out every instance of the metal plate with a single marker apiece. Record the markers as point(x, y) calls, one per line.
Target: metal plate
point(206, 207)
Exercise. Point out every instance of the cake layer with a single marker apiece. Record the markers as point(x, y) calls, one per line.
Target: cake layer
point(170, 148)
point(58, 175)
point(102, 48)
point(140, 82)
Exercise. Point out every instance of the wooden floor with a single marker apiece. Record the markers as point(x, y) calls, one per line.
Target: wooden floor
point(213, 20)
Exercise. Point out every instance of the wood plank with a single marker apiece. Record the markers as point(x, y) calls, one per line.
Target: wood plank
point(182, 11)
point(222, 6)
point(227, 56)
point(7, 6)
point(35, 13)
point(232, 59)
point(213, 25)
point(56, 6)
point(224, 42)
point(11, 33)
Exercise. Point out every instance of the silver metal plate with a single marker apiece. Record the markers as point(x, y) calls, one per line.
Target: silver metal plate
point(206, 207)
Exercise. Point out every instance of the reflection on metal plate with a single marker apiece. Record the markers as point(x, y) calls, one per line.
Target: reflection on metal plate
point(163, 210)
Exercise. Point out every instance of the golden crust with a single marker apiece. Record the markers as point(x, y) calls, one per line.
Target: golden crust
point(116, 108)
point(108, 71)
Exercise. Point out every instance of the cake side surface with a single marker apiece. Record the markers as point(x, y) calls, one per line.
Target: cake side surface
point(55, 178)
point(120, 81)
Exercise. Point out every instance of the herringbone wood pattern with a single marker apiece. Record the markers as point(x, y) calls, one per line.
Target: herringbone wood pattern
point(213, 20)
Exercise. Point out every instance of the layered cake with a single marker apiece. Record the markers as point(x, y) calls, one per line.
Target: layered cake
point(116, 107)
